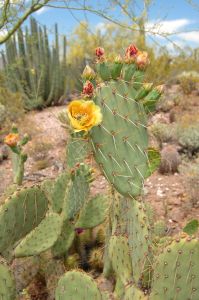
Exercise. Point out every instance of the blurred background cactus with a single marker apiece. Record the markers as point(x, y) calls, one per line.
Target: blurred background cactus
point(34, 67)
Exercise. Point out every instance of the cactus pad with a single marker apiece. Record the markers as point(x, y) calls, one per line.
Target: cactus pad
point(133, 292)
point(64, 241)
point(7, 283)
point(20, 213)
point(176, 271)
point(120, 258)
point(41, 238)
point(58, 192)
point(139, 239)
point(76, 285)
point(77, 193)
point(93, 212)
point(77, 149)
point(120, 142)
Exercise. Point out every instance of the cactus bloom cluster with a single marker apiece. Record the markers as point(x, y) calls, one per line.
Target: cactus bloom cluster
point(83, 115)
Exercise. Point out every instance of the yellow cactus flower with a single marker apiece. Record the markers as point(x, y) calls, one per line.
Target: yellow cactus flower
point(11, 139)
point(83, 115)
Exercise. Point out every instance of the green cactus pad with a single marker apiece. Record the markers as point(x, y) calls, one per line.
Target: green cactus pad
point(75, 285)
point(64, 241)
point(77, 149)
point(120, 210)
point(150, 101)
point(20, 213)
point(76, 195)
point(120, 258)
point(41, 238)
point(160, 229)
point(154, 159)
point(120, 142)
point(139, 236)
point(192, 227)
point(93, 212)
point(7, 283)
point(176, 271)
point(132, 293)
point(59, 191)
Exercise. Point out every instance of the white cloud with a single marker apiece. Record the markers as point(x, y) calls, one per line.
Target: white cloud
point(167, 27)
point(42, 10)
point(192, 36)
point(3, 32)
point(101, 26)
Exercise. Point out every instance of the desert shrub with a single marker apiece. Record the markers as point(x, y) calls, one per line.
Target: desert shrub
point(170, 160)
point(188, 134)
point(11, 108)
point(164, 133)
point(189, 139)
point(2, 113)
point(188, 81)
point(191, 172)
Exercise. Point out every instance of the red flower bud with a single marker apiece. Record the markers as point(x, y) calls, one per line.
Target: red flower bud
point(99, 52)
point(131, 51)
point(88, 89)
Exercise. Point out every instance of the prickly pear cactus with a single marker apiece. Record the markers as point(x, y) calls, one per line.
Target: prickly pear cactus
point(132, 292)
point(120, 141)
point(120, 258)
point(77, 149)
point(64, 241)
point(93, 212)
point(176, 271)
point(21, 213)
point(140, 243)
point(41, 238)
point(7, 283)
point(76, 285)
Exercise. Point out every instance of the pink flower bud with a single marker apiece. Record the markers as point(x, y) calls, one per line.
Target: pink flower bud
point(131, 51)
point(88, 89)
point(160, 89)
point(99, 52)
point(142, 59)
point(88, 73)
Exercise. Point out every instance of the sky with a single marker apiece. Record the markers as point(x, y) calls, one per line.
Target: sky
point(171, 16)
